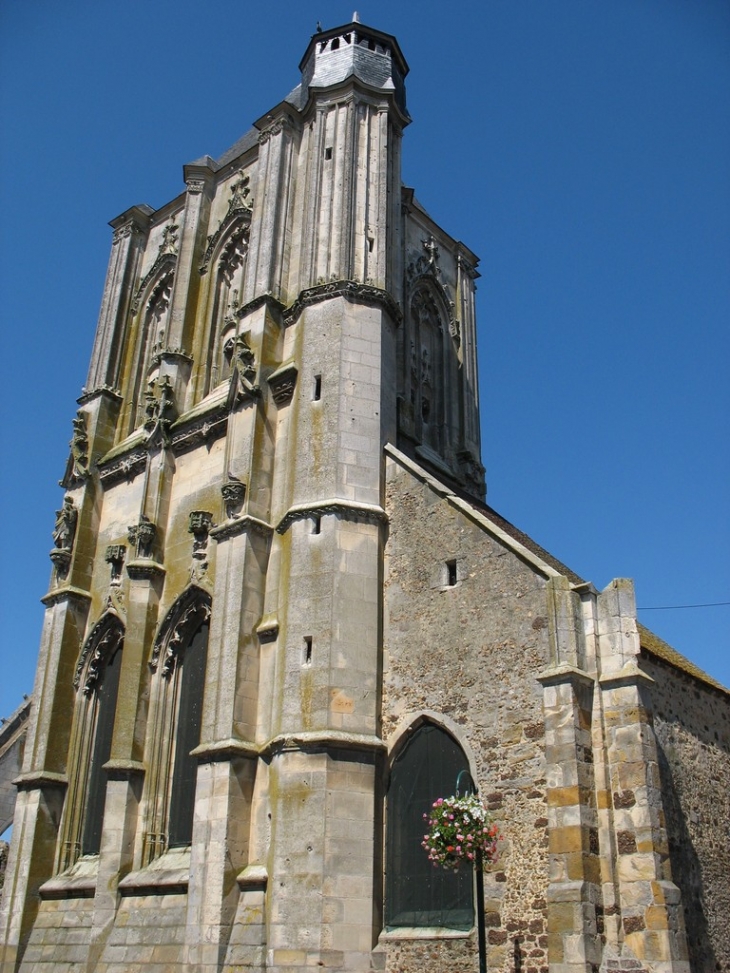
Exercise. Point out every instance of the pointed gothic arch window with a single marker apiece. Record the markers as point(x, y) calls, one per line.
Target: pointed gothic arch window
point(229, 280)
point(97, 681)
point(418, 894)
point(179, 660)
point(427, 368)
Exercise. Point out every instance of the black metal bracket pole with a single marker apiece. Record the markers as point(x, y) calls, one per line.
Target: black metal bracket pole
point(481, 932)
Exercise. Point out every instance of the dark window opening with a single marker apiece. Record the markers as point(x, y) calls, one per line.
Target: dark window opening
point(317, 525)
point(451, 573)
point(307, 653)
point(317, 394)
point(106, 693)
point(418, 893)
point(371, 244)
point(334, 46)
point(328, 152)
point(191, 675)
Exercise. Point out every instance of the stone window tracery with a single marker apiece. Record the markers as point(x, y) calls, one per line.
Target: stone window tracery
point(179, 663)
point(97, 683)
point(228, 290)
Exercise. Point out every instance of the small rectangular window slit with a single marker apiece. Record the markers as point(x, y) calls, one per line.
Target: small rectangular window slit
point(317, 394)
point(328, 152)
point(451, 574)
point(316, 525)
point(307, 651)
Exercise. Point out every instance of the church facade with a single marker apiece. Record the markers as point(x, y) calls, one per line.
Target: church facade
point(282, 620)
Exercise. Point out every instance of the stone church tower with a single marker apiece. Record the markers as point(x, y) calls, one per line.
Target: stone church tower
point(281, 615)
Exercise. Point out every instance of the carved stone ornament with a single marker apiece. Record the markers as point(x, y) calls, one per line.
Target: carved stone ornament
point(233, 492)
point(195, 186)
point(472, 471)
point(64, 532)
point(142, 537)
point(351, 290)
point(79, 448)
point(158, 409)
point(105, 638)
point(276, 128)
point(240, 206)
point(114, 557)
point(426, 262)
point(188, 613)
point(282, 383)
point(241, 197)
point(126, 230)
point(243, 371)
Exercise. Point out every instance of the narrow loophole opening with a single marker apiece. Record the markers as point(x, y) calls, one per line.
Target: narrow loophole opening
point(451, 573)
point(317, 392)
point(307, 651)
point(317, 525)
point(328, 152)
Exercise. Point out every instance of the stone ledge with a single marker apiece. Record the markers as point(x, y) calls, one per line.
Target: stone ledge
point(224, 750)
point(346, 509)
point(38, 779)
point(67, 591)
point(323, 740)
point(564, 673)
point(424, 932)
point(254, 878)
point(77, 882)
point(167, 875)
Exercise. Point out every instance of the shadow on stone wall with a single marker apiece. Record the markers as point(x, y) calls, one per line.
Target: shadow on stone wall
point(687, 873)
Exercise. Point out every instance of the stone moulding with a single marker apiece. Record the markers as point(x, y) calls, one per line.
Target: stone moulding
point(319, 740)
point(39, 779)
point(145, 570)
point(65, 593)
point(126, 466)
point(225, 750)
point(189, 611)
point(352, 290)
point(103, 640)
point(254, 878)
point(564, 673)
point(240, 525)
point(99, 391)
point(187, 434)
point(124, 769)
point(344, 509)
point(268, 630)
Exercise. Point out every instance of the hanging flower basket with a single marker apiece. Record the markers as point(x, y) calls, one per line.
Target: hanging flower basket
point(459, 828)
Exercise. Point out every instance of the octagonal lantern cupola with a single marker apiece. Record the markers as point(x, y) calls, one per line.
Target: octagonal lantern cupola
point(356, 50)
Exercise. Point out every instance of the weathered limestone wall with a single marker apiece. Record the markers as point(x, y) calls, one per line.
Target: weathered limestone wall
point(470, 654)
point(692, 726)
point(59, 940)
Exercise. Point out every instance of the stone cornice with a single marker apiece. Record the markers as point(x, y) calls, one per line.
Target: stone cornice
point(345, 509)
point(124, 465)
point(66, 592)
point(124, 769)
point(145, 570)
point(100, 391)
point(630, 675)
point(352, 290)
point(240, 525)
point(40, 779)
point(225, 750)
point(308, 740)
point(555, 675)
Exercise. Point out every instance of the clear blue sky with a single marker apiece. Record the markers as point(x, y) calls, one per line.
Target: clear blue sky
point(582, 149)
